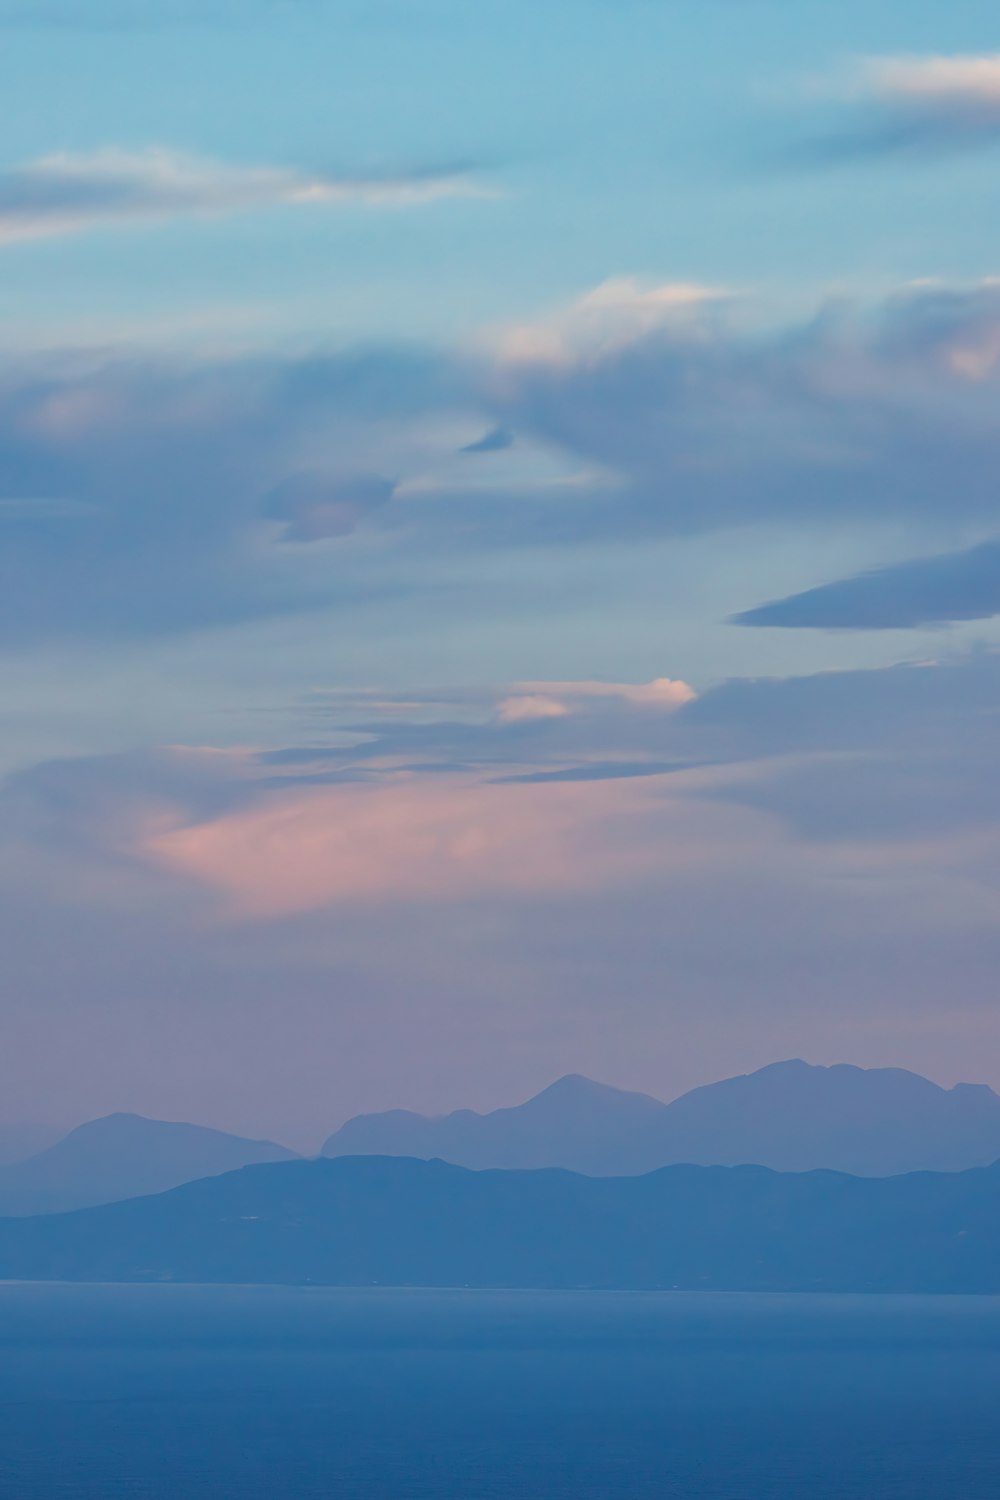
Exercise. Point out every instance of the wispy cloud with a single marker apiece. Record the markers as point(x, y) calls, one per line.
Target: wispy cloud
point(148, 494)
point(701, 420)
point(155, 494)
point(610, 316)
point(553, 700)
point(915, 103)
point(957, 86)
point(924, 591)
point(68, 193)
point(873, 769)
point(415, 839)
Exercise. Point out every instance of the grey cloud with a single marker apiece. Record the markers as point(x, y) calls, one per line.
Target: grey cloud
point(959, 586)
point(67, 193)
point(890, 751)
point(315, 506)
point(86, 801)
point(852, 414)
point(140, 496)
point(494, 441)
point(544, 748)
point(895, 752)
point(898, 753)
point(881, 132)
point(937, 704)
point(903, 756)
point(614, 770)
point(165, 472)
point(916, 104)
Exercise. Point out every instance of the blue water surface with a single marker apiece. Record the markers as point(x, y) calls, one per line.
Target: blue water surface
point(245, 1392)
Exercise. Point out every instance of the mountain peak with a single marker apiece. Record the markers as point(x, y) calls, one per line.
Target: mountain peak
point(579, 1086)
point(791, 1115)
point(124, 1156)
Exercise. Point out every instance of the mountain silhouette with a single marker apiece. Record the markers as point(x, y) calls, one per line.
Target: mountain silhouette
point(18, 1141)
point(362, 1221)
point(790, 1116)
point(574, 1123)
point(123, 1156)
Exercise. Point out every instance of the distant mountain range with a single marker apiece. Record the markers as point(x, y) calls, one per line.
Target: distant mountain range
point(20, 1141)
point(123, 1156)
point(390, 1221)
point(790, 1116)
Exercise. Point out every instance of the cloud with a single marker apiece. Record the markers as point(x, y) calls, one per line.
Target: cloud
point(863, 774)
point(925, 591)
point(950, 84)
point(526, 706)
point(315, 506)
point(494, 441)
point(548, 700)
point(143, 494)
point(714, 420)
point(918, 742)
point(916, 103)
point(611, 316)
point(414, 839)
point(592, 731)
point(151, 495)
point(900, 754)
point(270, 845)
point(772, 862)
point(68, 193)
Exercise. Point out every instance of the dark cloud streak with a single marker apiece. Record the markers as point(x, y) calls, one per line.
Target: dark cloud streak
point(926, 591)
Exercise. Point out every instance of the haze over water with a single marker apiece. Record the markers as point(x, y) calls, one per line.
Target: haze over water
point(284, 1394)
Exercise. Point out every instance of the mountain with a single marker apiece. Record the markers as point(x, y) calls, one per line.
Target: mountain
point(869, 1121)
point(20, 1141)
point(574, 1123)
point(123, 1156)
point(362, 1221)
point(790, 1116)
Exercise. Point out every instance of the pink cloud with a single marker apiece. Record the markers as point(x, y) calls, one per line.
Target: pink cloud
point(550, 700)
point(412, 839)
point(531, 706)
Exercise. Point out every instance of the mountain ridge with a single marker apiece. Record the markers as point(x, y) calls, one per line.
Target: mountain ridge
point(124, 1155)
point(363, 1221)
point(790, 1115)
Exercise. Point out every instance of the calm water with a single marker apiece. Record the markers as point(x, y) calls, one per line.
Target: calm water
point(188, 1392)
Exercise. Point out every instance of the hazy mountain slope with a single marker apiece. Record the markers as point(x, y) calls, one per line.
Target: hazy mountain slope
point(793, 1117)
point(790, 1116)
point(574, 1123)
point(122, 1156)
point(17, 1142)
point(393, 1221)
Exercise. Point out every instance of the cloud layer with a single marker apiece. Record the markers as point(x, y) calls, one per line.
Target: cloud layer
point(927, 591)
point(420, 804)
point(779, 862)
point(143, 496)
point(68, 193)
point(917, 104)
point(140, 494)
point(710, 420)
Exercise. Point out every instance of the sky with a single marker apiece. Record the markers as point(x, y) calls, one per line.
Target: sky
point(499, 549)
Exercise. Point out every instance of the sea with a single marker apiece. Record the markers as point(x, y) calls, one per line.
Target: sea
point(268, 1393)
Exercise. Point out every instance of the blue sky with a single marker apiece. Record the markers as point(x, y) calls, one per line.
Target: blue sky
point(498, 564)
point(653, 138)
